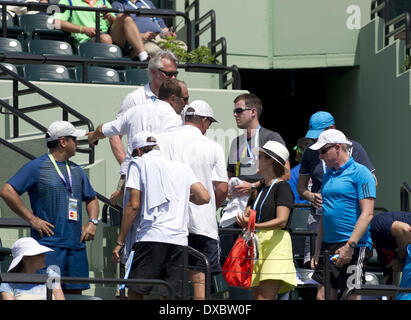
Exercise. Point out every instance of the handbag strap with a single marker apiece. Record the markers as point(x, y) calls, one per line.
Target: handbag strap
point(251, 222)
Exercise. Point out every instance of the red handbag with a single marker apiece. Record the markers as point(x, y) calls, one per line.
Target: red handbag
point(238, 266)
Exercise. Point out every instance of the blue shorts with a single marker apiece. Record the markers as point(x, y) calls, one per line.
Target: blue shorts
point(72, 263)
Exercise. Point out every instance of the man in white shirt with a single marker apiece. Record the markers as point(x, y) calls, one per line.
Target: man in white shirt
point(161, 67)
point(206, 158)
point(159, 116)
point(155, 217)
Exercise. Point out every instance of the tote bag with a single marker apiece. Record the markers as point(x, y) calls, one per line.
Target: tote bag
point(238, 266)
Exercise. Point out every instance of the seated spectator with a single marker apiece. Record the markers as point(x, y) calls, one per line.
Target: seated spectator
point(28, 257)
point(120, 30)
point(152, 29)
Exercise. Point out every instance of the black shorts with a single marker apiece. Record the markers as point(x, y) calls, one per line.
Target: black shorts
point(207, 246)
point(340, 275)
point(157, 260)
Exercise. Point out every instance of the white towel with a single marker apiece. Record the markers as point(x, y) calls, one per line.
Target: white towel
point(234, 206)
point(157, 180)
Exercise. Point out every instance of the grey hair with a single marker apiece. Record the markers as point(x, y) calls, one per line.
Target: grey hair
point(155, 62)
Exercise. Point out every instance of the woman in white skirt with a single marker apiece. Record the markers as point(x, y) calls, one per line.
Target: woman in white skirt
point(273, 201)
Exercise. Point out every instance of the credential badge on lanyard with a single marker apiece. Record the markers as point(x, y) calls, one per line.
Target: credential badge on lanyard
point(256, 145)
point(72, 210)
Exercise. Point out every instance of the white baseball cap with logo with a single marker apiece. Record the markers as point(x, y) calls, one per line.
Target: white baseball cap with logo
point(201, 108)
point(330, 136)
point(60, 129)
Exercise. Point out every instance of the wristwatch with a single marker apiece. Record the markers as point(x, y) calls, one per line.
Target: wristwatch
point(253, 186)
point(94, 221)
point(352, 244)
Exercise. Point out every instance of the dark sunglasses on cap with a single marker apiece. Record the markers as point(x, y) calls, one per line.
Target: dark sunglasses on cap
point(169, 74)
point(240, 110)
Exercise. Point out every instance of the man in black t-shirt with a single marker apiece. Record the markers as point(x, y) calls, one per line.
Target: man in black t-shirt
point(242, 163)
point(313, 168)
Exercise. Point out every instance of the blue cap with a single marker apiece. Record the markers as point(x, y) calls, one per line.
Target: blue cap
point(318, 122)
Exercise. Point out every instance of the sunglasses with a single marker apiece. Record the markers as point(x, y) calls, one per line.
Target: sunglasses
point(74, 138)
point(325, 150)
point(169, 74)
point(240, 110)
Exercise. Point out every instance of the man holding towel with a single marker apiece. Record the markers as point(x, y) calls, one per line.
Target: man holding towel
point(155, 217)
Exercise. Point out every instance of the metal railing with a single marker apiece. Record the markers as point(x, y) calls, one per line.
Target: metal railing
point(405, 192)
point(234, 81)
point(374, 290)
point(210, 25)
point(30, 278)
point(45, 7)
point(394, 27)
point(21, 113)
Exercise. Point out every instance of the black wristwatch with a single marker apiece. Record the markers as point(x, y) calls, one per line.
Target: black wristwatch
point(352, 244)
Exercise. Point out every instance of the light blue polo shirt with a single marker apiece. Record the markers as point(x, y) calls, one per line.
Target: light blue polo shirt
point(341, 192)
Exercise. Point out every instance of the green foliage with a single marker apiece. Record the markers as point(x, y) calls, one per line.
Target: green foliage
point(201, 54)
point(407, 64)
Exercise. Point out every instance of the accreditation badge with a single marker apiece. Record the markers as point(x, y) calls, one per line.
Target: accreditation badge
point(73, 209)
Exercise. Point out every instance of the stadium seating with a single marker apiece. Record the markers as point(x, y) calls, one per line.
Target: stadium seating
point(50, 47)
point(13, 30)
point(47, 72)
point(10, 67)
point(136, 76)
point(40, 26)
point(97, 74)
point(10, 45)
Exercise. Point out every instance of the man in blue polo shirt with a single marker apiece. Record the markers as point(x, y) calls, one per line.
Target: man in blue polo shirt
point(348, 196)
point(57, 187)
point(312, 170)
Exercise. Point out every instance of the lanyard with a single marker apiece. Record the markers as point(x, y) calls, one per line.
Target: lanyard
point(256, 136)
point(69, 186)
point(262, 202)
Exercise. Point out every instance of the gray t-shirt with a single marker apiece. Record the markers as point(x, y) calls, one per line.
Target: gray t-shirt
point(243, 164)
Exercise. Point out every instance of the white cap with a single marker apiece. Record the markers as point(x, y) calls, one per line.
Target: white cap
point(331, 136)
point(276, 150)
point(143, 139)
point(26, 247)
point(60, 129)
point(201, 108)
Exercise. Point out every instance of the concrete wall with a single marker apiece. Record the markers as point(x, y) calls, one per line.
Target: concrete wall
point(284, 34)
point(372, 105)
